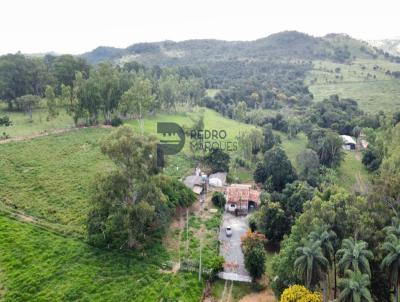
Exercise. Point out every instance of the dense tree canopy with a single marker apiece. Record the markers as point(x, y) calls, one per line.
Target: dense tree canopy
point(275, 171)
point(133, 201)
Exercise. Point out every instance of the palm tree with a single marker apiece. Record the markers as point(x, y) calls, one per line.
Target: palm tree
point(326, 237)
point(394, 228)
point(354, 254)
point(354, 288)
point(391, 262)
point(311, 263)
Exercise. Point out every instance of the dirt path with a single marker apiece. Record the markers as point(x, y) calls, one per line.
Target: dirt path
point(226, 295)
point(263, 296)
point(46, 133)
point(360, 185)
point(358, 156)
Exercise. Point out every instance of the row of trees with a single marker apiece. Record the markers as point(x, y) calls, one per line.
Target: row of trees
point(91, 94)
point(21, 75)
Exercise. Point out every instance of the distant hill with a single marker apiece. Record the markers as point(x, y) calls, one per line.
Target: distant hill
point(391, 46)
point(284, 45)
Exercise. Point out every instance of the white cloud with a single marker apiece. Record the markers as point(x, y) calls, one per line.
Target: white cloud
point(75, 26)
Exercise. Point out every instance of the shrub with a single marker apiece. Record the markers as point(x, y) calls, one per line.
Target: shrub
point(116, 121)
point(218, 200)
point(5, 121)
point(298, 293)
point(217, 265)
point(254, 254)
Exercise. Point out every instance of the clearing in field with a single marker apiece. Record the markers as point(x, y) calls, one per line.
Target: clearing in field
point(364, 80)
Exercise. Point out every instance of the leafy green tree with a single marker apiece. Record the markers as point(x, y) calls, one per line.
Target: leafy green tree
point(391, 262)
point(270, 139)
point(218, 160)
point(273, 222)
point(51, 102)
point(21, 75)
point(355, 287)
point(311, 263)
point(294, 195)
point(195, 134)
point(88, 96)
point(293, 128)
point(276, 170)
point(282, 265)
point(355, 255)
point(372, 158)
point(356, 131)
point(328, 146)
point(135, 155)
point(65, 68)
point(218, 199)
point(138, 99)
point(110, 89)
point(27, 103)
point(116, 219)
point(250, 143)
point(254, 254)
point(239, 113)
point(255, 262)
point(132, 202)
point(169, 92)
point(191, 90)
point(308, 166)
point(260, 173)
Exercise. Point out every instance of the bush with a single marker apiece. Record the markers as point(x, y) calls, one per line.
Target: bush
point(116, 121)
point(4, 136)
point(5, 121)
point(218, 200)
point(217, 265)
point(298, 293)
point(253, 223)
point(254, 254)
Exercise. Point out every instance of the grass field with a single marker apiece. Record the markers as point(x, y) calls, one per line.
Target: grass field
point(37, 265)
point(22, 126)
point(364, 80)
point(352, 174)
point(49, 177)
point(294, 146)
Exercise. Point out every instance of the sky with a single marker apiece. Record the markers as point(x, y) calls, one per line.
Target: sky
point(77, 26)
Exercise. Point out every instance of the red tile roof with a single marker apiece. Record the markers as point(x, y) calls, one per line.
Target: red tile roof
point(244, 193)
point(254, 196)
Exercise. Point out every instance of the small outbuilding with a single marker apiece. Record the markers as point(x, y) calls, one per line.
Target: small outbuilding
point(349, 143)
point(195, 183)
point(217, 179)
